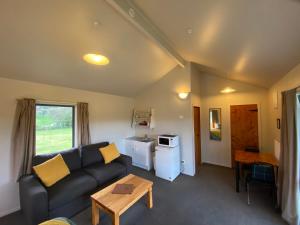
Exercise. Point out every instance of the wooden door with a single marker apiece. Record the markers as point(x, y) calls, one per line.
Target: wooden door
point(244, 127)
point(197, 138)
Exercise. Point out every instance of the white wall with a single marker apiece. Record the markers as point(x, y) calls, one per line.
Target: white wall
point(195, 86)
point(110, 118)
point(219, 152)
point(171, 114)
point(195, 98)
point(289, 81)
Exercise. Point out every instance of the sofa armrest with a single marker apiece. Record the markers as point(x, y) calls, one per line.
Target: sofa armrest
point(126, 161)
point(33, 200)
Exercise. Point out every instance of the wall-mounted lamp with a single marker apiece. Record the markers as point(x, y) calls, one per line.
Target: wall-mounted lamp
point(183, 95)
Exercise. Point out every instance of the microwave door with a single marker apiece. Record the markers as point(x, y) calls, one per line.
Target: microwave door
point(164, 141)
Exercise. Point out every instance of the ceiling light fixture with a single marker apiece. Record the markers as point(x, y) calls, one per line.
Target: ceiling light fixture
point(96, 23)
point(227, 90)
point(183, 95)
point(189, 30)
point(96, 59)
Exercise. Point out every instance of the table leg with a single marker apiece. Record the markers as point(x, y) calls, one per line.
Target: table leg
point(95, 213)
point(276, 174)
point(150, 199)
point(275, 187)
point(237, 177)
point(116, 219)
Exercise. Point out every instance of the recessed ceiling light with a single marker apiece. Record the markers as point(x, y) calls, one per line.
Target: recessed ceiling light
point(96, 23)
point(227, 90)
point(96, 59)
point(189, 30)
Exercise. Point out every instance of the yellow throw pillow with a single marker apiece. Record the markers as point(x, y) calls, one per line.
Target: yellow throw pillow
point(109, 153)
point(52, 170)
point(58, 221)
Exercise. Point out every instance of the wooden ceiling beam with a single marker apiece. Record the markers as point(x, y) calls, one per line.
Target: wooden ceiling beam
point(137, 17)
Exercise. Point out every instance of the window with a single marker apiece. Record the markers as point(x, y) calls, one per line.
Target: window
point(54, 128)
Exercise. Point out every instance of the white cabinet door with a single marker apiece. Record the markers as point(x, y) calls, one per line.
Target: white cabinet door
point(140, 153)
point(129, 147)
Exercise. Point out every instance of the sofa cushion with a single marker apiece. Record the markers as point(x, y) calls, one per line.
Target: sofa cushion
point(103, 173)
point(90, 153)
point(109, 153)
point(76, 184)
point(52, 171)
point(71, 158)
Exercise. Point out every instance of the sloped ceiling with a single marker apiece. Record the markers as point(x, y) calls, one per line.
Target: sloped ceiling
point(43, 41)
point(255, 41)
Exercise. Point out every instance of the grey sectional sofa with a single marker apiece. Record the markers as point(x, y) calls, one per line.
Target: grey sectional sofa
point(71, 194)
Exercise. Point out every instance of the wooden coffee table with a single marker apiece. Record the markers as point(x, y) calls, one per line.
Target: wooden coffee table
point(116, 204)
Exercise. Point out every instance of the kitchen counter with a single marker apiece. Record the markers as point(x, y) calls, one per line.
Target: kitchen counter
point(141, 139)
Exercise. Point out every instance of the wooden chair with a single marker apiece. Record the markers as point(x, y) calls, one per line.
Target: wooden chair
point(264, 174)
point(246, 169)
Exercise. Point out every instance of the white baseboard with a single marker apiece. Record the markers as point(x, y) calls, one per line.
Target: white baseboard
point(9, 211)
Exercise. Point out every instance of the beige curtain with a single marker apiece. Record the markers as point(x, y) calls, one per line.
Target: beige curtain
point(288, 180)
point(83, 128)
point(23, 138)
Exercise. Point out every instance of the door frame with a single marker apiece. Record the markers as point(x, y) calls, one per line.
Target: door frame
point(197, 166)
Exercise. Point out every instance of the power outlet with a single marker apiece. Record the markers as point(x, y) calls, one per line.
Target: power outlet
point(182, 166)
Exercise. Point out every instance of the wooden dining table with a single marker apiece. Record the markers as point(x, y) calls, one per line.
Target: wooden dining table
point(243, 157)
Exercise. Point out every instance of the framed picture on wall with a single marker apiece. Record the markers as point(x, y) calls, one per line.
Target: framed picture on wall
point(215, 124)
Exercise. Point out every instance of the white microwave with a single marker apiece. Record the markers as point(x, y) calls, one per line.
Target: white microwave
point(168, 140)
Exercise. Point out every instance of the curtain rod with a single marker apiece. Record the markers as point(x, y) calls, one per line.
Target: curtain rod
point(297, 89)
point(45, 101)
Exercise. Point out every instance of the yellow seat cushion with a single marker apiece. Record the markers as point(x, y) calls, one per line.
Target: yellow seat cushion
point(52, 170)
point(109, 153)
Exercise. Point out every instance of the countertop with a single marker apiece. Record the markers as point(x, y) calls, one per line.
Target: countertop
point(141, 139)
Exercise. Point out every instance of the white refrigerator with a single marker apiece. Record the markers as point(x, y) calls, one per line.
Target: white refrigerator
point(167, 162)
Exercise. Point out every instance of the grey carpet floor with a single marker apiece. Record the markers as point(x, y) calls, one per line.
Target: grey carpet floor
point(209, 198)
